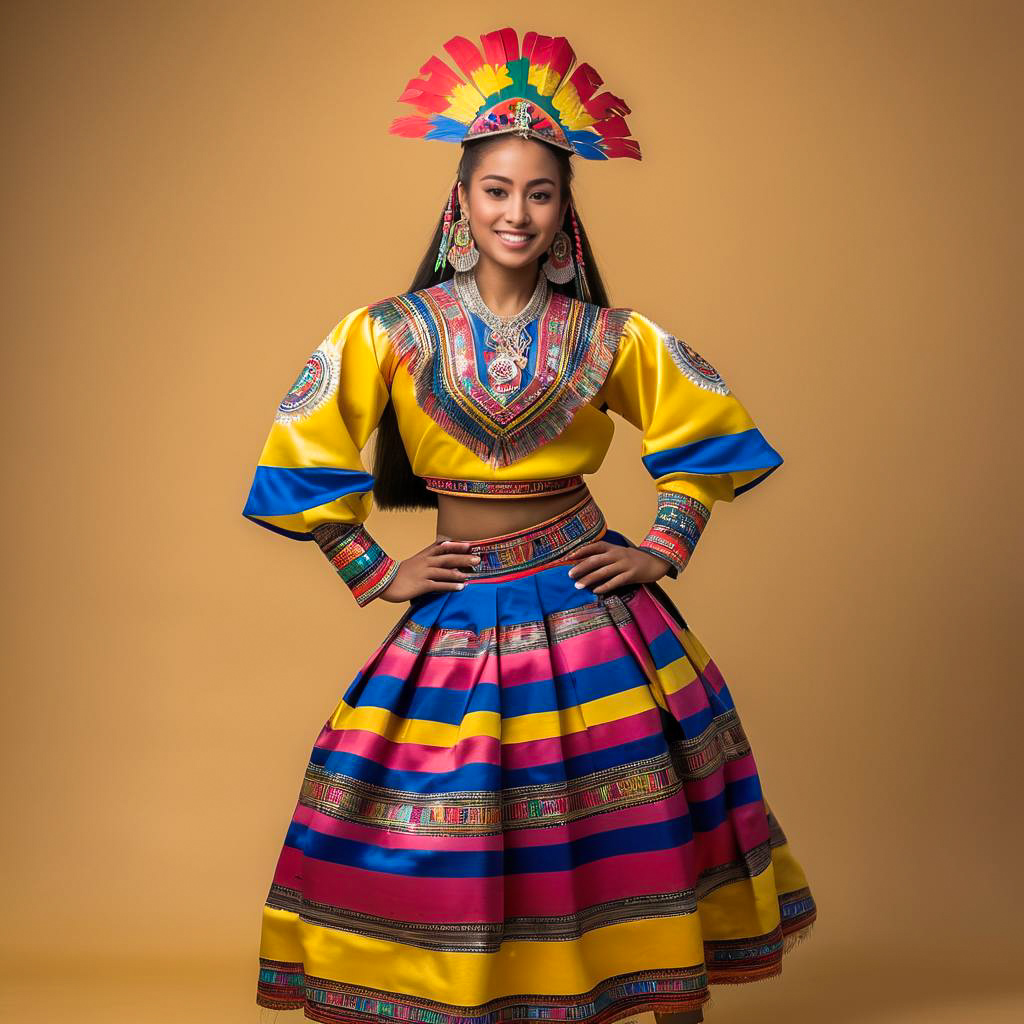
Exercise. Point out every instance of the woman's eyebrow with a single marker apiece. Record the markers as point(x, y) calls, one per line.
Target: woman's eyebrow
point(508, 181)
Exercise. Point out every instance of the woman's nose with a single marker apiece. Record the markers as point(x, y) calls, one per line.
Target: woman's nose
point(516, 212)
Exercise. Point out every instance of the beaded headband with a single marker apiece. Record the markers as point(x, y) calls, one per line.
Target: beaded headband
point(526, 91)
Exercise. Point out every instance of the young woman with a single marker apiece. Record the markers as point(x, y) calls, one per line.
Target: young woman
point(536, 799)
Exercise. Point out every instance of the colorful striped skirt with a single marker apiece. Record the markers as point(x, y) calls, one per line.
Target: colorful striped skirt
point(533, 802)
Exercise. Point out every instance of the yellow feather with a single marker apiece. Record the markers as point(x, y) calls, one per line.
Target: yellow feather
point(489, 80)
point(570, 110)
point(463, 105)
point(543, 79)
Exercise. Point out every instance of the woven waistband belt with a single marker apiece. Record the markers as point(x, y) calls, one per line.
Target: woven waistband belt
point(502, 488)
point(536, 546)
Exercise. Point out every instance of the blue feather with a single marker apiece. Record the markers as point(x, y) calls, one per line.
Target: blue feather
point(447, 129)
point(587, 144)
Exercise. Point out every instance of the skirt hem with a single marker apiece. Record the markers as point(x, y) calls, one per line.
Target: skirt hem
point(773, 971)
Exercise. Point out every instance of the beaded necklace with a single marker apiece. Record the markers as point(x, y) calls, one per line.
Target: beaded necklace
point(508, 338)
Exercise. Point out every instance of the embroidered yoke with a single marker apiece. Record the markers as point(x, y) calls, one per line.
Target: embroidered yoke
point(469, 431)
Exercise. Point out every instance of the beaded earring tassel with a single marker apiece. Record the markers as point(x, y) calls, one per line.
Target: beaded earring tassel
point(581, 278)
point(446, 228)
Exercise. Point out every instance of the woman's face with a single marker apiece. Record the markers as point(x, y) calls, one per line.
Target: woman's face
point(513, 202)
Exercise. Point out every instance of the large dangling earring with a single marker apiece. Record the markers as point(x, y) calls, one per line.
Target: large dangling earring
point(558, 267)
point(463, 253)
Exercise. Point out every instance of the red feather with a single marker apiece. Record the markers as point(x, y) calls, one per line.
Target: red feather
point(612, 127)
point(622, 147)
point(500, 47)
point(428, 102)
point(410, 127)
point(431, 94)
point(465, 54)
point(605, 105)
point(585, 81)
point(560, 56)
point(441, 80)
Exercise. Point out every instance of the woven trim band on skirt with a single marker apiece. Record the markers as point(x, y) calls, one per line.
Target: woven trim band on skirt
point(540, 546)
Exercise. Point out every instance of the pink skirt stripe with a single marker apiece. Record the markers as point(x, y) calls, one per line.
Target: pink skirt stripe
point(490, 898)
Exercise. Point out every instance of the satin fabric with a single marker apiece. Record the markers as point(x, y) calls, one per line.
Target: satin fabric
point(697, 440)
point(531, 802)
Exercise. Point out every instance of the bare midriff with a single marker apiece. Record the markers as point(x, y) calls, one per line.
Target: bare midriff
point(464, 517)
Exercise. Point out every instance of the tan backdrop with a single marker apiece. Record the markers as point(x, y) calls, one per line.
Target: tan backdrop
point(196, 192)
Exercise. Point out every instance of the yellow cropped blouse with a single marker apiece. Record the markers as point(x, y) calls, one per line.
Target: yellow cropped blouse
point(427, 353)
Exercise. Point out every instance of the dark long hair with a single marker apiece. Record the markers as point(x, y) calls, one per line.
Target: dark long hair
point(395, 485)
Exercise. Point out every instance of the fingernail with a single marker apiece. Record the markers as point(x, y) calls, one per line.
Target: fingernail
point(461, 585)
point(578, 585)
point(476, 558)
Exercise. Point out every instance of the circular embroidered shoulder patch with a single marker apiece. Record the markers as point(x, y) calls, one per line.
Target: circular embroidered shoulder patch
point(694, 366)
point(316, 383)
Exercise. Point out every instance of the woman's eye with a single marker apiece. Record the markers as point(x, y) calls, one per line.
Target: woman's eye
point(498, 192)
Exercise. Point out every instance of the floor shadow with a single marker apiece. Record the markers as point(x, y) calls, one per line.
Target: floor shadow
point(858, 986)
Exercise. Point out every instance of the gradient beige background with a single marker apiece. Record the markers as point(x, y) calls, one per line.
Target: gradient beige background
point(196, 192)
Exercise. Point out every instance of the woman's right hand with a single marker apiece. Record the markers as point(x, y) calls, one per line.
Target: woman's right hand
point(436, 567)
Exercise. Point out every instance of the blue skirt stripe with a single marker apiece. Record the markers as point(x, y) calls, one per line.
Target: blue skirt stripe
point(659, 835)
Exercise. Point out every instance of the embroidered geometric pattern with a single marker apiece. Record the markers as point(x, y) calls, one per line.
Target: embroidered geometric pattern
point(503, 488)
point(284, 986)
point(432, 332)
point(546, 542)
point(316, 383)
point(358, 559)
point(693, 365)
point(517, 638)
point(677, 528)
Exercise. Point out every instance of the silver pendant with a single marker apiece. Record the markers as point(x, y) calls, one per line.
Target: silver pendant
point(502, 371)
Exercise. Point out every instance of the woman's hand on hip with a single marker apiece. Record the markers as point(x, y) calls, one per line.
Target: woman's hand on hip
point(602, 566)
point(437, 567)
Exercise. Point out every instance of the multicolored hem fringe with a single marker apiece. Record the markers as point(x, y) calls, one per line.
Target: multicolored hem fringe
point(359, 560)
point(677, 528)
point(503, 488)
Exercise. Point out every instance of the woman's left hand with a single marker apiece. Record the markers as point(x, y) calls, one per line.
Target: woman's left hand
point(612, 565)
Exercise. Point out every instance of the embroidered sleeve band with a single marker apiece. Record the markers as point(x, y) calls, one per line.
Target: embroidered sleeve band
point(677, 528)
point(359, 560)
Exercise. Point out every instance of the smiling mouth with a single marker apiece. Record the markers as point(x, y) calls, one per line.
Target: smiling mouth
point(513, 237)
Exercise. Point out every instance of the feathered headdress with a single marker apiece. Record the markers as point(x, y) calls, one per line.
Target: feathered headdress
point(527, 91)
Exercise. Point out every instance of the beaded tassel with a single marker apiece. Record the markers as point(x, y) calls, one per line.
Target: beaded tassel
point(581, 278)
point(446, 228)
